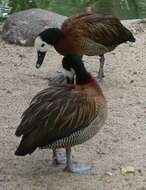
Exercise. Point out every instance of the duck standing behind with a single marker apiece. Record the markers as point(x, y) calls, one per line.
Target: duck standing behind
point(87, 34)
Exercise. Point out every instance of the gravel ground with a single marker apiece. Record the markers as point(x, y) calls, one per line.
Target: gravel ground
point(120, 143)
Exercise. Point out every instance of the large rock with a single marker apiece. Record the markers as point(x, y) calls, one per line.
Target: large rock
point(22, 27)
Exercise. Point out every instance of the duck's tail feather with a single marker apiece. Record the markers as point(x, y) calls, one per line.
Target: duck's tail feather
point(25, 148)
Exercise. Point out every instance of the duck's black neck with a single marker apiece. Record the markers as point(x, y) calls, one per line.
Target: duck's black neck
point(82, 76)
point(52, 35)
point(75, 62)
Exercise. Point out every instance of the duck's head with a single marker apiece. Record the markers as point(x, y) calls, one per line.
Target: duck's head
point(74, 68)
point(42, 42)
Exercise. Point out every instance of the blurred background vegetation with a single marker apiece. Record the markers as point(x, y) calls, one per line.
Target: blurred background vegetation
point(123, 9)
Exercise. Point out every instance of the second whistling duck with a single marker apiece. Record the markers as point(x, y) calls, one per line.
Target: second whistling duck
point(87, 34)
point(62, 116)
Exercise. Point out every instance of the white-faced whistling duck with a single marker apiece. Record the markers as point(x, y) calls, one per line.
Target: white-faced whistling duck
point(87, 34)
point(62, 116)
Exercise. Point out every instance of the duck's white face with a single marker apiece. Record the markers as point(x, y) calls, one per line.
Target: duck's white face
point(41, 45)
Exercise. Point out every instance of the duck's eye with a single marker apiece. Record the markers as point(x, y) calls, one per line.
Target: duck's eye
point(42, 45)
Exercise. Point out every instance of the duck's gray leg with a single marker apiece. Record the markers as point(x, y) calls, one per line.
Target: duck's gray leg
point(101, 72)
point(58, 158)
point(74, 168)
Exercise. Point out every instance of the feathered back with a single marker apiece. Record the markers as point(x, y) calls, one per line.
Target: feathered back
point(57, 112)
point(103, 29)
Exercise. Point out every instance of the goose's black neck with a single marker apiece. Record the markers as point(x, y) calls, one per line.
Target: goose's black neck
point(51, 35)
point(75, 62)
point(82, 76)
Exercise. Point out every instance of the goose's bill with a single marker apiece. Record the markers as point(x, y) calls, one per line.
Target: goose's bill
point(40, 58)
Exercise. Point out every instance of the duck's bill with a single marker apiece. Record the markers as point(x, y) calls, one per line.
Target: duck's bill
point(41, 56)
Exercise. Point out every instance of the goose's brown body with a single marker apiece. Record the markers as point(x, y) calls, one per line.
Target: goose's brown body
point(92, 34)
point(87, 34)
point(60, 116)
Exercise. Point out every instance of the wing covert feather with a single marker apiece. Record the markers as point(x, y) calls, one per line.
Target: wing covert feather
point(57, 112)
point(103, 29)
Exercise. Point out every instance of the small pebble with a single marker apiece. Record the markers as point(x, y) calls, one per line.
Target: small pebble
point(128, 169)
point(135, 73)
point(109, 173)
point(132, 81)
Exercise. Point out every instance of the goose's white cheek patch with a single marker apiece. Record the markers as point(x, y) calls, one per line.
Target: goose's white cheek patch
point(40, 45)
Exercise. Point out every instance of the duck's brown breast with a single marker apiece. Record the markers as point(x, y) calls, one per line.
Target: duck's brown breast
point(69, 45)
point(81, 46)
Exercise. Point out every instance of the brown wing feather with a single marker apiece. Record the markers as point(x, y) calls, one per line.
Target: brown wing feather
point(55, 113)
point(103, 29)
